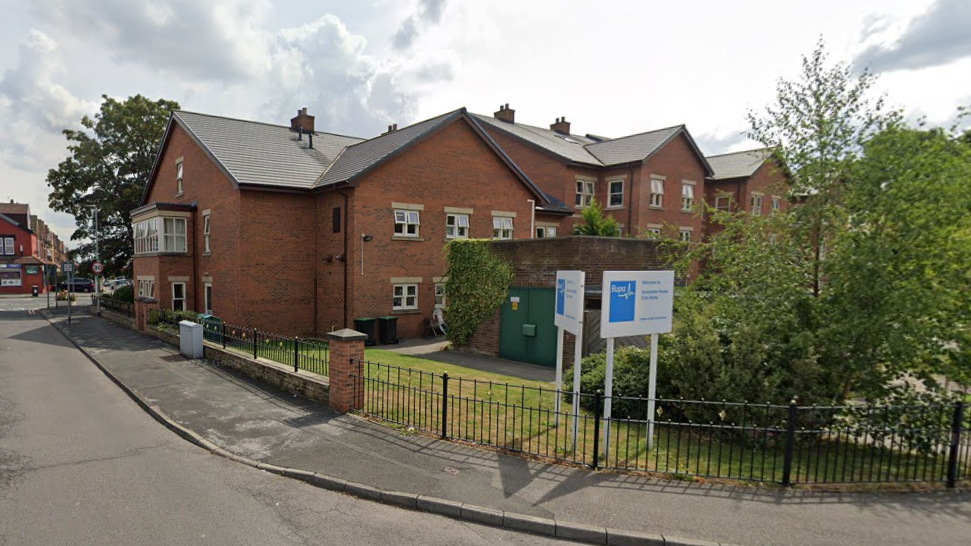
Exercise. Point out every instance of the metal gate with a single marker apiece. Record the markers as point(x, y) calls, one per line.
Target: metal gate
point(527, 332)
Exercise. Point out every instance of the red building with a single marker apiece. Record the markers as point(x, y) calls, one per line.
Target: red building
point(21, 267)
point(750, 181)
point(296, 231)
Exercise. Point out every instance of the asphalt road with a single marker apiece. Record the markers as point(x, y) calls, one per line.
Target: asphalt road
point(80, 463)
point(26, 303)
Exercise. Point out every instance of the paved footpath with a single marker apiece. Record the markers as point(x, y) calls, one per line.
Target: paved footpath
point(267, 425)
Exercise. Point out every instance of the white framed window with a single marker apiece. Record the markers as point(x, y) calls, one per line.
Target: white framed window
point(456, 226)
point(208, 296)
point(404, 297)
point(501, 228)
point(657, 192)
point(585, 193)
point(406, 223)
point(178, 178)
point(146, 289)
point(615, 197)
point(684, 235)
point(687, 196)
point(723, 203)
point(654, 232)
point(8, 246)
point(776, 203)
point(178, 296)
point(146, 236)
point(756, 204)
point(545, 232)
point(205, 231)
point(173, 235)
point(439, 295)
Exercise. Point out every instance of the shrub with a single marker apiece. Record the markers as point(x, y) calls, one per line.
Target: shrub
point(125, 294)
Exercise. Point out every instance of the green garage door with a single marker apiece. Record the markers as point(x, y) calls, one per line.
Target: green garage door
point(527, 332)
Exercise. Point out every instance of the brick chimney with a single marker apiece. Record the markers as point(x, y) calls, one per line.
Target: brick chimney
point(505, 113)
point(561, 126)
point(302, 120)
point(391, 128)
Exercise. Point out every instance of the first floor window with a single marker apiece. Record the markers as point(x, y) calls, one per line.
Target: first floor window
point(146, 236)
point(178, 296)
point(544, 232)
point(756, 204)
point(584, 193)
point(657, 192)
point(616, 197)
point(178, 178)
point(208, 289)
point(405, 297)
point(685, 235)
point(8, 246)
point(457, 226)
point(501, 228)
point(173, 234)
point(439, 295)
point(406, 223)
point(146, 288)
point(205, 230)
point(654, 232)
point(723, 203)
point(776, 203)
point(687, 196)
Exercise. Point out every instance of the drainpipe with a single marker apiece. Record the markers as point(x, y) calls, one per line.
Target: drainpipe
point(346, 220)
point(630, 204)
point(532, 218)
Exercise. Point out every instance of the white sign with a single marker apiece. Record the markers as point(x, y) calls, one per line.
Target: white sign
point(67, 267)
point(569, 300)
point(636, 303)
point(97, 267)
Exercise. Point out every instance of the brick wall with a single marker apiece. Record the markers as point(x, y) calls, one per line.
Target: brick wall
point(677, 163)
point(536, 262)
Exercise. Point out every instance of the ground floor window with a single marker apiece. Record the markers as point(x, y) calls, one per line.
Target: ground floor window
point(405, 296)
point(146, 289)
point(543, 232)
point(10, 276)
point(178, 296)
point(208, 290)
point(439, 295)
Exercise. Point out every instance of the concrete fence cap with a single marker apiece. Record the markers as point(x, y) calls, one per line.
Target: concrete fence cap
point(346, 334)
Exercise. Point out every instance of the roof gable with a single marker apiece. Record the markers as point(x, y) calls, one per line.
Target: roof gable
point(738, 164)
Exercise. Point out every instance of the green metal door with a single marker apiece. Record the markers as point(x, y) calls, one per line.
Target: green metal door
point(527, 332)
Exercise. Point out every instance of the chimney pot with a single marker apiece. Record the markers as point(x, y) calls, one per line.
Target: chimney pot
point(505, 113)
point(302, 120)
point(561, 126)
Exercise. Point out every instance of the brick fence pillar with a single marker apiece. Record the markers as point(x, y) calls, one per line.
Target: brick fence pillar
point(143, 307)
point(346, 369)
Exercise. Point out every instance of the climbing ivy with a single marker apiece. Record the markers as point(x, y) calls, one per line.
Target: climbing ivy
point(477, 284)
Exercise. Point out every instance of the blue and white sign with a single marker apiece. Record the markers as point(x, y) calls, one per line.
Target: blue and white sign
point(637, 303)
point(569, 300)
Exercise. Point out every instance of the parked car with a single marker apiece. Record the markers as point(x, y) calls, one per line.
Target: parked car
point(77, 285)
point(111, 285)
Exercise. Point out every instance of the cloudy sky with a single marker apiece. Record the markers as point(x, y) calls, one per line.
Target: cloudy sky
point(611, 67)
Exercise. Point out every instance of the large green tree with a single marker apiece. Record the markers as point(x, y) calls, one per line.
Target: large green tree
point(110, 161)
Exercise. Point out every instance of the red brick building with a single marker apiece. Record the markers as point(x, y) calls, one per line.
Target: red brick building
point(652, 182)
point(295, 231)
point(21, 264)
point(749, 181)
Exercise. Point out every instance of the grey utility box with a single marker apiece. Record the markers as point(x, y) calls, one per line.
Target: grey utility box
point(190, 339)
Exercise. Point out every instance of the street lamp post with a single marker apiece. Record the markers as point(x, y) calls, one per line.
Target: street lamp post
point(97, 258)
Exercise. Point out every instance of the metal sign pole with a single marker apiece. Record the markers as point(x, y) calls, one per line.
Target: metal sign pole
point(608, 397)
point(559, 371)
point(577, 357)
point(652, 393)
point(97, 259)
point(70, 292)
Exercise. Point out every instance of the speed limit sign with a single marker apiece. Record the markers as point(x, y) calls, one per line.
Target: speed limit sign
point(97, 267)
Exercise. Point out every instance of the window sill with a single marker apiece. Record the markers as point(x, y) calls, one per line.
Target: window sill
point(180, 194)
point(406, 311)
point(655, 207)
point(687, 210)
point(615, 207)
point(447, 239)
point(160, 254)
point(405, 238)
point(207, 253)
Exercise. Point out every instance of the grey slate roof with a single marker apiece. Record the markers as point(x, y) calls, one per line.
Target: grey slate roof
point(545, 138)
point(264, 154)
point(360, 156)
point(738, 164)
point(633, 147)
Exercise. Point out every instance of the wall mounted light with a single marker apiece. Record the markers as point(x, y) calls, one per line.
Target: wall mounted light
point(367, 238)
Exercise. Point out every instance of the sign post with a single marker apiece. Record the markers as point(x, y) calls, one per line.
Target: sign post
point(68, 268)
point(635, 303)
point(569, 316)
point(97, 268)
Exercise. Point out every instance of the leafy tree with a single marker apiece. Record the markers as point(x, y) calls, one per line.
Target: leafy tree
point(596, 223)
point(109, 165)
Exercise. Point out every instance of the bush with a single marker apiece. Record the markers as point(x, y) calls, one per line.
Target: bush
point(125, 294)
point(169, 317)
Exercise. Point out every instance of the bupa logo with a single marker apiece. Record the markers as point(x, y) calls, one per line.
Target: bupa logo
point(622, 301)
point(560, 296)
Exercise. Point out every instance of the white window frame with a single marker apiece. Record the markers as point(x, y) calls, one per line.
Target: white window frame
point(586, 190)
point(687, 196)
point(545, 232)
point(439, 295)
point(9, 246)
point(146, 236)
point(684, 235)
point(174, 240)
point(728, 203)
point(611, 194)
point(207, 296)
point(182, 299)
point(404, 297)
point(654, 231)
point(502, 228)
point(776, 203)
point(146, 289)
point(206, 226)
point(406, 221)
point(454, 229)
point(657, 192)
point(178, 178)
point(756, 204)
